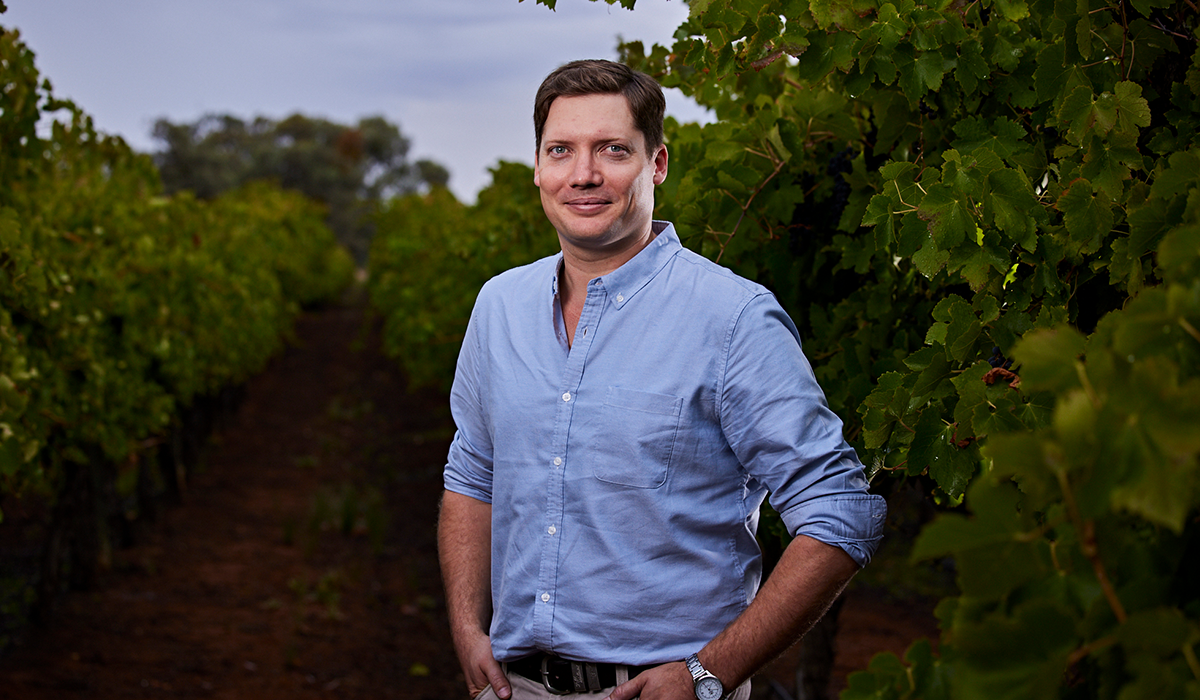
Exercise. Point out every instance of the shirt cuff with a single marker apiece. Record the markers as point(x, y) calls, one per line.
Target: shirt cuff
point(853, 523)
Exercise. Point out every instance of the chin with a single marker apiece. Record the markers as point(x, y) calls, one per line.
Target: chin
point(590, 234)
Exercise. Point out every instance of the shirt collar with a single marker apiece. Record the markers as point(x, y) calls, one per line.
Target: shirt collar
point(627, 280)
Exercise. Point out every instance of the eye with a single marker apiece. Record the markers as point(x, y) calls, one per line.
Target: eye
point(616, 148)
point(556, 150)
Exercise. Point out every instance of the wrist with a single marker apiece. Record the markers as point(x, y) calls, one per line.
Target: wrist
point(705, 684)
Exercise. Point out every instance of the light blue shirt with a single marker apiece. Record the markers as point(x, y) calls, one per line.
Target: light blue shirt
point(625, 471)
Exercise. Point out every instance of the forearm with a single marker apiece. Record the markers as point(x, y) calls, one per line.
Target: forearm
point(808, 578)
point(464, 549)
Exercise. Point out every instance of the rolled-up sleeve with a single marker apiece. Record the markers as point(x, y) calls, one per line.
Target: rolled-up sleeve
point(777, 421)
point(469, 462)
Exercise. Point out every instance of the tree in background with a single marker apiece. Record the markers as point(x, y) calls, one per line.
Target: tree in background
point(349, 169)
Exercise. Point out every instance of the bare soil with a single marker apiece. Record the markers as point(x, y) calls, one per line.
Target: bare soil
point(302, 562)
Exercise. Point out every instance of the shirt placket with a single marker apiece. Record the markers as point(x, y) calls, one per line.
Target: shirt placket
point(560, 461)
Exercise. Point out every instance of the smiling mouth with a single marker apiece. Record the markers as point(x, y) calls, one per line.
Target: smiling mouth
point(587, 203)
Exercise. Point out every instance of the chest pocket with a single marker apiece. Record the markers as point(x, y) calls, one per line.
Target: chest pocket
point(636, 438)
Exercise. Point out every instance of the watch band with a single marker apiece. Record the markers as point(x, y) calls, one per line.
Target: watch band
point(704, 683)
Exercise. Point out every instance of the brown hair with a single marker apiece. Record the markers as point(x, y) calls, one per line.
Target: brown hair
point(601, 77)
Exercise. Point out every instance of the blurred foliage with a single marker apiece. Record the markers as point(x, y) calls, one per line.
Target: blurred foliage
point(432, 254)
point(349, 169)
point(118, 305)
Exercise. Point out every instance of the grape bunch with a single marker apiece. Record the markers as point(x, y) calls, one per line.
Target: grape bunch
point(998, 359)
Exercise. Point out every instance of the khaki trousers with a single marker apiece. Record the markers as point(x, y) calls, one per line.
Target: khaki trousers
point(525, 689)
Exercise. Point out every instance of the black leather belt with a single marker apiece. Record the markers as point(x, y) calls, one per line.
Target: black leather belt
point(560, 676)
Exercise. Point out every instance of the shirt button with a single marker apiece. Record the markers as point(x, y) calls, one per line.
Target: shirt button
point(552, 529)
point(567, 396)
point(545, 597)
point(620, 298)
point(558, 461)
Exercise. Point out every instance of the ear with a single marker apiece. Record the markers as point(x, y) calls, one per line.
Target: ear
point(660, 164)
point(537, 169)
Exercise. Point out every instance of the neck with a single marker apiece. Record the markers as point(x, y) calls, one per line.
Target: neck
point(581, 265)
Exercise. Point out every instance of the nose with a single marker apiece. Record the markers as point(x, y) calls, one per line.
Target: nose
point(584, 172)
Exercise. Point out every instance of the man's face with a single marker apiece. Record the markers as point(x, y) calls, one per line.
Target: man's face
point(595, 175)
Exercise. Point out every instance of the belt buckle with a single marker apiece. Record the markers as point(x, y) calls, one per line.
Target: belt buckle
point(546, 678)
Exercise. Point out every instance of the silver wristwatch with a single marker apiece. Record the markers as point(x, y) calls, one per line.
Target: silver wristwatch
point(707, 686)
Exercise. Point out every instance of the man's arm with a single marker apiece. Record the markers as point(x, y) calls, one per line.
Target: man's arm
point(807, 580)
point(464, 547)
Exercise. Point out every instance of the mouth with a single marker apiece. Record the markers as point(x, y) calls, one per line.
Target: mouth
point(587, 204)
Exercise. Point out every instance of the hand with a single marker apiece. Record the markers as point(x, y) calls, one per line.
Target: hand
point(667, 682)
point(479, 666)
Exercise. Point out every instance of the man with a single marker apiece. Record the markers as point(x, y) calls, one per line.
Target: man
point(622, 410)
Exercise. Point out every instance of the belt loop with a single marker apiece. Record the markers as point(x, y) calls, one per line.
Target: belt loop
point(622, 673)
point(593, 678)
point(577, 679)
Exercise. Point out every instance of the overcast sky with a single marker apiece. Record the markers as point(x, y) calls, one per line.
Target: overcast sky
point(457, 76)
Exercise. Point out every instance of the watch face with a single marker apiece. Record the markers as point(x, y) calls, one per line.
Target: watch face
point(709, 689)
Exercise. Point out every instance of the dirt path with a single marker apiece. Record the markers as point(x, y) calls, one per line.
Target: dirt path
point(303, 562)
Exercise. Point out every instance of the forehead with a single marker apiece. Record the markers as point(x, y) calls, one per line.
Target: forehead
point(589, 116)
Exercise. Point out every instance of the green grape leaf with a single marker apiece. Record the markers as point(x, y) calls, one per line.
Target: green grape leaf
point(935, 447)
point(972, 394)
point(999, 139)
point(1055, 75)
point(1132, 109)
point(972, 68)
point(889, 26)
point(1080, 113)
point(1106, 163)
point(1182, 174)
point(914, 233)
point(1048, 358)
point(1021, 655)
point(1021, 456)
point(1160, 490)
point(918, 73)
point(880, 414)
point(722, 151)
point(879, 211)
point(950, 220)
point(962, 329)
point(930, 259)
point(977, 264)
point(1159, 631)
point(923, 358)
point(1075, 426)
point(930, 379)
point(930, 67)
point(830, 13)
point(1011, 201)
point(1083, 28)
point(1013, 10)
point(994, 521)
point(1180, 250)
point(1087, 217)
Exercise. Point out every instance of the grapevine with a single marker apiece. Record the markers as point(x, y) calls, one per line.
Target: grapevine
point(121, 308)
